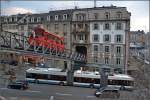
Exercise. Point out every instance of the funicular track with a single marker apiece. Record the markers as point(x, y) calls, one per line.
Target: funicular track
point(13, 42)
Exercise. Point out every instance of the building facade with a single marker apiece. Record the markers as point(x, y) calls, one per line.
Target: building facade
point(137, 37)
point(101, 33)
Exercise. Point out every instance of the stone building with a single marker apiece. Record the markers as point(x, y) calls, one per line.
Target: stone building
point(137, 37)
point(102, 34)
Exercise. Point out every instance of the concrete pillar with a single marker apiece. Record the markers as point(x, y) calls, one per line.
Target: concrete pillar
point(20, 61)
point(103, 78)
point(69, 73)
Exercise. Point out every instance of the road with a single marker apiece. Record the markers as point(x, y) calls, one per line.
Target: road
point(53, 92)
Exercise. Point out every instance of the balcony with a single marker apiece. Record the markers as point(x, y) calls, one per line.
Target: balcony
point(81, 42)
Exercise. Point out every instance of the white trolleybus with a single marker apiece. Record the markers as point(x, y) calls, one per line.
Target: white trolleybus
point(81, 78)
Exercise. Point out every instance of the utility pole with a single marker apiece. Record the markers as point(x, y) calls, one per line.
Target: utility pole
point(70, 73)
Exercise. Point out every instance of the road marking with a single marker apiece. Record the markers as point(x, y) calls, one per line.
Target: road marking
point(63, 94)
point(33, 91)
point(91, 96)
point(51, 98)
point(3, 88)
point(13, 98)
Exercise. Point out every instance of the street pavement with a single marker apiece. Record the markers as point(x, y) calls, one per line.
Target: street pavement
point(54, 92)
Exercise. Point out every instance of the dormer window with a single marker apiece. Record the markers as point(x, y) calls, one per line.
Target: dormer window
point(106, 26)
point(107, 15)
point(119, 14)
point(48, 18)
point(38, 19)
point(56, 17)
point(28, 19)
point(15, 19)
point(10, 19)
point(65, 17)
point(32, 19)
point(95, 15)
point(5, 19)
point(80, 17)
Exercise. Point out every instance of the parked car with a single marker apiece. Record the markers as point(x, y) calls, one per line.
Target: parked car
point(2, 98)
point(107, 93)
point(20, 84)
point(13, 62)
point(4, 62)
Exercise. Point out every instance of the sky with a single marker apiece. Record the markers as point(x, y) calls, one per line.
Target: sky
point(139, 9)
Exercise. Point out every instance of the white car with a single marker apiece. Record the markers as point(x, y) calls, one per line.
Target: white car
point(2, 98)
point(107, 93)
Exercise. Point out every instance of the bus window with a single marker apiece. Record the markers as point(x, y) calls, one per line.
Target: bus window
point(28, 75)
point(77, 79)
point(42, 76)
point(62, 78)
point(57, 77)
point(32, 75)
point(97, 81)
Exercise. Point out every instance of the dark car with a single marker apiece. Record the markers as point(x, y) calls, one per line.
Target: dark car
point(4, 62)
point(13, 62)
point(107, 93)
point(18, 85)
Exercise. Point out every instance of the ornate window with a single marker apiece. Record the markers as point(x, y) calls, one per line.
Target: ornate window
point(118, 26)
point(95, 48)
point(107, 38)
point(107, 49)
point(106, 26)
point(95, 38)
point(95, 26)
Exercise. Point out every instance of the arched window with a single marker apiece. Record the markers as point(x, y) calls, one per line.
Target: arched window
point(48, 18)
point(107, 15)
point(38, 19)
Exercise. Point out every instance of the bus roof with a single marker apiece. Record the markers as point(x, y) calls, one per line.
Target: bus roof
point(95, 75)
point(87, 74)
point(53, 71)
